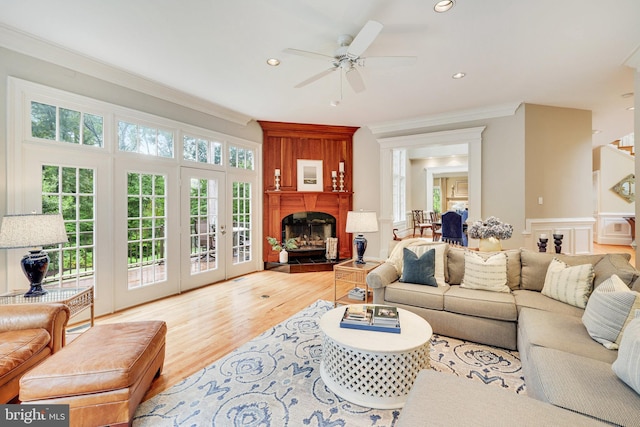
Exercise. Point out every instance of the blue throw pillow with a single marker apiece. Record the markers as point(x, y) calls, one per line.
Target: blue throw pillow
point(419, 270)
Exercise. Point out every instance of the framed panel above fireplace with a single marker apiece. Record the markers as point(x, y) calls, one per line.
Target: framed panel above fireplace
point(309, 175)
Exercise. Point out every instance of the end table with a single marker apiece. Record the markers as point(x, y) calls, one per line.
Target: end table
point(348, 272)
point(77, 299)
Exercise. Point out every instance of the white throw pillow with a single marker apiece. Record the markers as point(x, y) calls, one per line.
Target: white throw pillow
point(488, 275)
point(626, 366)
point(571, 285)
point(609, 309)
point(419, 247)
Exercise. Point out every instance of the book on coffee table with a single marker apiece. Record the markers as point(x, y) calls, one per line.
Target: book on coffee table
point(364, 317)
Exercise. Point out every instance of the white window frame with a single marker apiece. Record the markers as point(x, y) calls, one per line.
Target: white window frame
point(20, 95)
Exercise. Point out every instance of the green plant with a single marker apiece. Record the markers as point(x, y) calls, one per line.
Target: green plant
point(277, 246)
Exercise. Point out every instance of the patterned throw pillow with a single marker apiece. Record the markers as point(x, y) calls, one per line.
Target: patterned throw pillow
point(419, 270)
point(626, 366)
point(609, 309)
point(571, 285)
point(488, 275)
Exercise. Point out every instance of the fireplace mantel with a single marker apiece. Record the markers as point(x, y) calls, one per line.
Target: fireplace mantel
point(283, 145)
point(283, 203)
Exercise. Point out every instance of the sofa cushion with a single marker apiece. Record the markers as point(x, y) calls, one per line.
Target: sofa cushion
point(431, 297)
point(455, 265)
point(609, 309)
point(568, 284)
point(16, 347)
point(538, 328)
point(483, 405)
point(627, 365)
point(420, 246)
point(489, 274)
point(419, 270)
point(480, 303)
point(581, 384)
point(534, 299)
point(615, 264)
point(535, 265)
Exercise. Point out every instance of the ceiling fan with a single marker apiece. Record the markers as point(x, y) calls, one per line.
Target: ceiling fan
point(348, 57)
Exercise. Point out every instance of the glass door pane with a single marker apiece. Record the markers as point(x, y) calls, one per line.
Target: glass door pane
point(203, 228)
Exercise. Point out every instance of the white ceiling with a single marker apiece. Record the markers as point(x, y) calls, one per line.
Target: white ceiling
point(568, 53)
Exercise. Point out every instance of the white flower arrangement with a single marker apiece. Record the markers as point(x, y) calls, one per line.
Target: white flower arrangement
point(491, 227)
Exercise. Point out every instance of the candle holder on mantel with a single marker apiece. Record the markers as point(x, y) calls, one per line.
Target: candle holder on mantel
point(333, 181)
point(557, 241)
point(277, 174)
point(342, 190)
point(542, 244)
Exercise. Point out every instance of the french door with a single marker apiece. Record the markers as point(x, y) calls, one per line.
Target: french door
point(203, 243)
point(146, 232)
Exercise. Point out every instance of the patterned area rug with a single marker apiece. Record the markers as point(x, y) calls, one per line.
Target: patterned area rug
point(274, 380)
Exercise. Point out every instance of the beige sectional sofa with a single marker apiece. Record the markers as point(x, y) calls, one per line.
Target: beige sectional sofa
point(562, 364)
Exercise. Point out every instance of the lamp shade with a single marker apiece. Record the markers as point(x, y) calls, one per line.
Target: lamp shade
point(32, 230)
point(361, 222)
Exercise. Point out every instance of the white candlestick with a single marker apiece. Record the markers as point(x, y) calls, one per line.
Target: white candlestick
point(341, 167)
point(277, 172)
point(543, 236)
point(334, 174)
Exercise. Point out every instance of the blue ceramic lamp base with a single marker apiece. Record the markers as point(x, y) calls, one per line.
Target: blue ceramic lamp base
point(361, 245)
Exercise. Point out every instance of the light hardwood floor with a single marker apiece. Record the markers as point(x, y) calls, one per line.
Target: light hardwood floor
point(209, 322)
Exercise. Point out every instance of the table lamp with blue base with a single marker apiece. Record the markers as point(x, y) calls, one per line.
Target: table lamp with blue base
point(33, 231)
point(361, 222)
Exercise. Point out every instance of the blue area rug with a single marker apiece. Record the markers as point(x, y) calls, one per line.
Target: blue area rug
point(274, 381)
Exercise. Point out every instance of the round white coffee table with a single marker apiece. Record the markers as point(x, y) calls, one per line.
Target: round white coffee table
point(373, 369)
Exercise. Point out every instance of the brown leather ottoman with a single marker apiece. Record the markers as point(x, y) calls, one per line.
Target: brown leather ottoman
point(102, 375)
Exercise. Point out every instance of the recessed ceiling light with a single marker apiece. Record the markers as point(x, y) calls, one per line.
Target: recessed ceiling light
point(627, 95)
point(595, 131)
point(334, 103)
point(631, 108)
point(458, 75)
point(274, 62)
point(443, 6)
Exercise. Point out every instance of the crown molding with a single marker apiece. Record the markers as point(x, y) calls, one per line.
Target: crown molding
point(36, 47)
point(484, 113)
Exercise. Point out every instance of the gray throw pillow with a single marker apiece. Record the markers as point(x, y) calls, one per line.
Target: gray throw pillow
point(610, 307)
point(419, 270)
point(626, 365)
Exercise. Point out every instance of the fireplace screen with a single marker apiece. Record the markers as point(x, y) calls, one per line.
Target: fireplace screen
point(309, 229)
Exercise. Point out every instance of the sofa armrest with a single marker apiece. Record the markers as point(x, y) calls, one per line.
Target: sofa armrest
point(51, 317)
point(382, 276)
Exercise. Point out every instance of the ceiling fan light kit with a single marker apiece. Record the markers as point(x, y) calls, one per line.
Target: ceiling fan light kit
point(347, 57)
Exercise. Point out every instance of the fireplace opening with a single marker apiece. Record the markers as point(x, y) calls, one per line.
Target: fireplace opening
point(310, 231)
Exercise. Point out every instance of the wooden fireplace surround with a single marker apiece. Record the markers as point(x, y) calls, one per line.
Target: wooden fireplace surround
point(283, 145)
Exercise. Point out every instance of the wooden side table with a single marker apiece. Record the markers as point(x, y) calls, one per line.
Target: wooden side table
point(77, 299)
point(353, 274)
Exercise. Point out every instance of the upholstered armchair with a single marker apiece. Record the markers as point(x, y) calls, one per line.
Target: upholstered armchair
point(29, 333)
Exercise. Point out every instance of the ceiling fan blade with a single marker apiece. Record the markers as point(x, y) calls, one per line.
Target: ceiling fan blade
point(363, 40)
point(387, 61)
point(315, 77)
point(308, 54)
point(355, 80)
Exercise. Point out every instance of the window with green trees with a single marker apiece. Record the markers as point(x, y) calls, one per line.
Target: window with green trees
point(65, 125)
point(71, 192)
point(202, 150)
point(146, 219)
